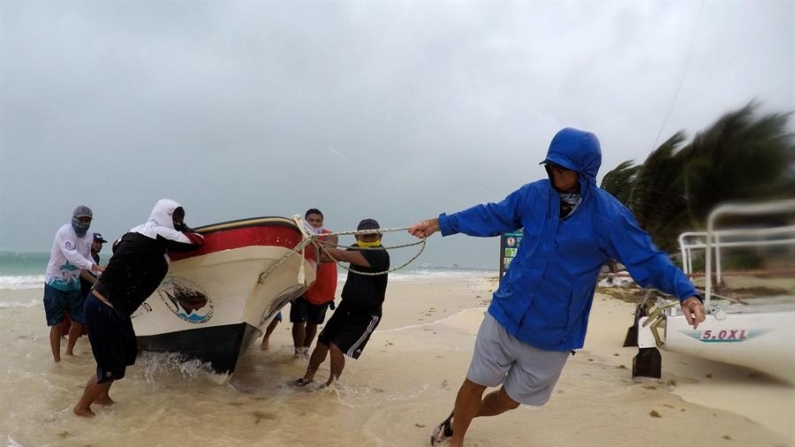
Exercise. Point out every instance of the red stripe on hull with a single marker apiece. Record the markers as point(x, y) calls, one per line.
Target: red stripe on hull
point(269, 234)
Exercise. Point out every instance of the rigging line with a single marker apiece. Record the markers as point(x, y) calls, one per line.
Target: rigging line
point(685, 66)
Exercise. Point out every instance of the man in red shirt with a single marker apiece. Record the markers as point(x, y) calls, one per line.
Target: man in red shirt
point(309, 310)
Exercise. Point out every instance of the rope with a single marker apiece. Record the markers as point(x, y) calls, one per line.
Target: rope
point(383, 248)
point(309, 238)
point(354, 232)
point(378, 231)
point(264, 275)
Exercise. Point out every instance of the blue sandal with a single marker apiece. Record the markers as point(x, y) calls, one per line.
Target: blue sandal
point(443, 431)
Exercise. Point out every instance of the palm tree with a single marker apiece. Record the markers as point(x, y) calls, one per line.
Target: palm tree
point(740, 157)
point(619, 181)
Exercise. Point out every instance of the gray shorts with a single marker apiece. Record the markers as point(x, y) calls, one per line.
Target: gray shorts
point(528, 374)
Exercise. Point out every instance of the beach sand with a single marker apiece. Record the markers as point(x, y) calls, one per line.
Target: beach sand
point(404, 383)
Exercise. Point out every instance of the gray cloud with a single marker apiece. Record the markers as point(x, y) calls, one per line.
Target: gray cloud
point(232, 108)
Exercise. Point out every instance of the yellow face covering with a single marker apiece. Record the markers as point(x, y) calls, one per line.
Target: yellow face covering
point(362, 244)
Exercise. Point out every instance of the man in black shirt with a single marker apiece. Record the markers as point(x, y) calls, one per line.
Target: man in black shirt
point(359, 312)
point(138, 265)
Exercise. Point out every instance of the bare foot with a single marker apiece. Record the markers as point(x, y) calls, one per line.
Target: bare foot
point(70, 353)
point(86, 413)
point(300, 382)
point(264, 345)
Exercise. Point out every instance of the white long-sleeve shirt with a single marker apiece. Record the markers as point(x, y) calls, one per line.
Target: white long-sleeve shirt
point(69, 255)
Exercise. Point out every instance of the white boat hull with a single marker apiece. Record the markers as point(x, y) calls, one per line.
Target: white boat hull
point(757, 332)
point(213, 304)
point(764, 341)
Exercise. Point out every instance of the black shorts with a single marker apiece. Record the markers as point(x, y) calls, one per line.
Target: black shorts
point(302, 311)
point(112, 339)
point(348, 330)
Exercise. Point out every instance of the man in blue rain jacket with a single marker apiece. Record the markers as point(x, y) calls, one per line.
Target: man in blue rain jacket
point(539, 312)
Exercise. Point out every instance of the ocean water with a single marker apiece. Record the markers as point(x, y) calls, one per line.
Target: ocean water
point(20, 270)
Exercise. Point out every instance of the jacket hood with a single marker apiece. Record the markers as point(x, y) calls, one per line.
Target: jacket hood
point(577, 150)
point(162, 212)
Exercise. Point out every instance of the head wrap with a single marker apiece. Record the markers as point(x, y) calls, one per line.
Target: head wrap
point(81, 228)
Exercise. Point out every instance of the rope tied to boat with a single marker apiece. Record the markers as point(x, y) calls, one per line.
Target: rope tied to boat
point(310, 238)
point(301, 273)
point(391, 247)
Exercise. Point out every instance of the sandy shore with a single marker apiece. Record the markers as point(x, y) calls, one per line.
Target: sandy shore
point(427, 336)
point(404, 383)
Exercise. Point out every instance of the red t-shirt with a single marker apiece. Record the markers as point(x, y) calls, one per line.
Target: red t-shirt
point(322, 291)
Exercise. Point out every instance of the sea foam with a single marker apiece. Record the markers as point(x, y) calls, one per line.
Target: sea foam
point(21, 282)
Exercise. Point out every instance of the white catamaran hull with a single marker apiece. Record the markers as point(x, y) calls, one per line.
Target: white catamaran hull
point(757, 333)
point(764, 341)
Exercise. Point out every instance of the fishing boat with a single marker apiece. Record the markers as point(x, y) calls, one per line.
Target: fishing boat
point(217, 300)
point(756, 332)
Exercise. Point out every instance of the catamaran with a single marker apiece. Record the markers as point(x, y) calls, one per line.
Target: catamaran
point(756, 332)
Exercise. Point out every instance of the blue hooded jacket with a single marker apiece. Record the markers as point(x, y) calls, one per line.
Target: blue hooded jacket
point(545, 298)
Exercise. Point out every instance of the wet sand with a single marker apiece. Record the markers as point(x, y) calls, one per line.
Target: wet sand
point(404, 383)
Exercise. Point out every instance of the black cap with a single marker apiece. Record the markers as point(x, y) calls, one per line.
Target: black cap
point(98, 238)
point(368, 224)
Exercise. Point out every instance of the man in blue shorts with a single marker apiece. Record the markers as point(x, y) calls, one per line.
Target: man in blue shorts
point(359, 312)
point(70, 255)
point(539, 312)
point(87, 280)
point(138, 265)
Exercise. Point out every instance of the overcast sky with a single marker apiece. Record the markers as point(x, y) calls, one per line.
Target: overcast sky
point(391, 110)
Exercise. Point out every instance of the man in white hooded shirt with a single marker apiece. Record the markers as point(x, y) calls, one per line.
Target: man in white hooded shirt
point(138, 265)
point(69, 256)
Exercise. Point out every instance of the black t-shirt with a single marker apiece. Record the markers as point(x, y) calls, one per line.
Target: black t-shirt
point(366, 293)
point(134, 272)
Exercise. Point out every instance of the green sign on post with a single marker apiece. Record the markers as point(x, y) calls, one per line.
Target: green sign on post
point(509, 245)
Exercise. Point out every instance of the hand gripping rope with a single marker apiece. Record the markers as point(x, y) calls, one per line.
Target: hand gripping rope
point(380, 230)
point(309, 238)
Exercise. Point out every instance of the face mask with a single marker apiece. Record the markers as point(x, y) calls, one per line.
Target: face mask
point(362, 244)
point(80, 228)
point(568, 203)
point(312, 229)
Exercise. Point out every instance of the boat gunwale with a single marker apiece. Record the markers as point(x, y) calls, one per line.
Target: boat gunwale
point(247, 222)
